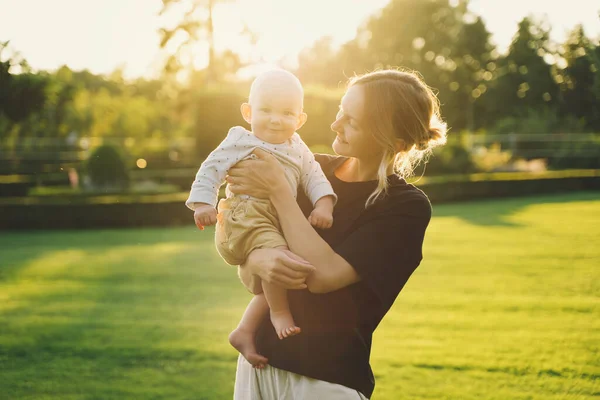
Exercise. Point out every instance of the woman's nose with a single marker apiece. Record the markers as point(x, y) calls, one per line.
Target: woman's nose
point(334, 125)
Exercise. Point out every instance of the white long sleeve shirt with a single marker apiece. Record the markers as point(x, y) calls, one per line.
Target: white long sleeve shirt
point(295, 156)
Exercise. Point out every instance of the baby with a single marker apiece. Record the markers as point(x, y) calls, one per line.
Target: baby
point(274, 112)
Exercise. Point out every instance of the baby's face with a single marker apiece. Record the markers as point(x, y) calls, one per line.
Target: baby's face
point(276, 111)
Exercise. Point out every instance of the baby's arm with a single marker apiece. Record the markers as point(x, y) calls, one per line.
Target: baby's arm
point(211, 175)
point(322, 215)
point(317, 189)
point(204, 215)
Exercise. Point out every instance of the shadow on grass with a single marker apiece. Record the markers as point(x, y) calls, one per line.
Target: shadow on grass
point(20, 247)
point(497, 212)
point(99, 237)
point(91, 353)
point(120, 331)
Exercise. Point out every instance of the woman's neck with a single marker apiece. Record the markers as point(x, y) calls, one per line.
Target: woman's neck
point(355, 170)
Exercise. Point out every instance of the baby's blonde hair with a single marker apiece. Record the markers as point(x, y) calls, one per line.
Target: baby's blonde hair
point(399, 105)
point(274, 77)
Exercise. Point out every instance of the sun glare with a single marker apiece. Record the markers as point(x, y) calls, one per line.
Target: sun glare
point(102, 36)
point(284, 28)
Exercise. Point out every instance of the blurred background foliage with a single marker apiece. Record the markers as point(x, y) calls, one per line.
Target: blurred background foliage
point(536, 105)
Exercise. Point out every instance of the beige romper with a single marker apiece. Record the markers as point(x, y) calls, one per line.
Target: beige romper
point(245, 223)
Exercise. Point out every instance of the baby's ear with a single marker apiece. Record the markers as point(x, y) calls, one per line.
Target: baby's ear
point(246, 111)
point(301, 120)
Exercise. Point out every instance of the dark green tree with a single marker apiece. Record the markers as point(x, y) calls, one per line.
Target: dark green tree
point(525, 80)
point(20, 94)
point(441, 40)
point(471, 70)
point(581, 78)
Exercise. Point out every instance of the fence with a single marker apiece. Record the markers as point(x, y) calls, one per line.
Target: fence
point(52, 155)
point(534, 145)
point(43, 158)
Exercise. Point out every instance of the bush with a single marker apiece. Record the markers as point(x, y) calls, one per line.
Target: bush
point(106, 169)
point(491, 158)
point(452, 158)
point(584, 155)
point(545, 120)
point(559, 154)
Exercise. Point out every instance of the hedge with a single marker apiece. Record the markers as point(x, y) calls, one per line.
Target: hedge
point(474, 189)
point(18, 185)
point(49, 212)
point(46, 212)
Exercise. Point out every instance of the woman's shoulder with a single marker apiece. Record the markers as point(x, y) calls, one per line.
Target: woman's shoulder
point(406, 199)
point(329, 162)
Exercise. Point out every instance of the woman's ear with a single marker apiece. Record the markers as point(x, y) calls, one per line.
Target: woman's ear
point(246, 111)
point(301, 120)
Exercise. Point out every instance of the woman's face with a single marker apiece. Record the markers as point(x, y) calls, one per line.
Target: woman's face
point(353, 139)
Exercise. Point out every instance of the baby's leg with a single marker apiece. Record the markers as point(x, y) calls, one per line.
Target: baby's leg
point(242, 338)
point(281, 317)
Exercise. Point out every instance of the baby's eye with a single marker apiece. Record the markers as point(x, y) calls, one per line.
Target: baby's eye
point(288, 113)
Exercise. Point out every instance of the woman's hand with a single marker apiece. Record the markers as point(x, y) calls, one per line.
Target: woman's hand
point(279, 267)
point(259, 177)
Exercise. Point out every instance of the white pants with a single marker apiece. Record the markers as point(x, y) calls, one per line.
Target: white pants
point(276, 384)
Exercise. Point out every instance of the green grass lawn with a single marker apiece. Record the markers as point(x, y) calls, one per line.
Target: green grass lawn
point(506, 305)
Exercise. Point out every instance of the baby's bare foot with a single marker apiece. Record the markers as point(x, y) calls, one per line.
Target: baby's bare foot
point(243, 341)
point(284, 325)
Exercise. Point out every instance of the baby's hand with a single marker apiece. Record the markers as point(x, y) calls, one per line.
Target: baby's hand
point(205, 215)
point(321, 218)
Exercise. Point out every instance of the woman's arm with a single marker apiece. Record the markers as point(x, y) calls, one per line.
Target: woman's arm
point(265, 178)
point(332, 272)
point(277, 266)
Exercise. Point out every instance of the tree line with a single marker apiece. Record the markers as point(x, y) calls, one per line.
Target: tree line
point(536, 86)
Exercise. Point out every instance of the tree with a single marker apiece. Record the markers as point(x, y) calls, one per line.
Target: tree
point(318, 63)
point(580, 78)
point(413, 33)
point(20, 94)
point(471, 69)
point(197, 19)
point(525, 80)
point(441, 40)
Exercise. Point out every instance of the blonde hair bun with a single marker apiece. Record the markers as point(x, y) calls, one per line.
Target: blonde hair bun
point(436, 133)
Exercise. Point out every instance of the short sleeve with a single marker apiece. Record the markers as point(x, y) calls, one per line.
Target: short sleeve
point(386, 249)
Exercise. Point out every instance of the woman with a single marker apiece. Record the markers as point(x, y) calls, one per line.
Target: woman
point(388, 120)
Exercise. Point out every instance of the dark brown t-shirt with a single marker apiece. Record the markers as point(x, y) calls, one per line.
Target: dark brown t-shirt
point(384, 245)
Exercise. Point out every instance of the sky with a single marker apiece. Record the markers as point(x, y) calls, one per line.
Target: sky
point(104, 35)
